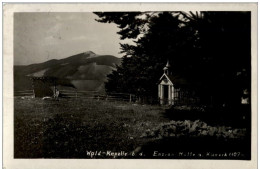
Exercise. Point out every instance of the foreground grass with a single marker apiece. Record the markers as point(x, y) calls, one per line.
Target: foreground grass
point(70, 127)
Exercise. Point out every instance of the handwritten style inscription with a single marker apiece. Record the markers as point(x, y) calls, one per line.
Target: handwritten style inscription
point(158, 154)
point(197, 155)
point(118, 154)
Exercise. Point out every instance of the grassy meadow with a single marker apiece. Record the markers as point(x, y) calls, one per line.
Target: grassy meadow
point(70, 128)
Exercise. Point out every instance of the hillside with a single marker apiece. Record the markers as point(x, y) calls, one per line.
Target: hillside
point(86, 71)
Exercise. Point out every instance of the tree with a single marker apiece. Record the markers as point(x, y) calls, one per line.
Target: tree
point(164, 38)
point(129, 23)
point(209, 48)
point(225, 50)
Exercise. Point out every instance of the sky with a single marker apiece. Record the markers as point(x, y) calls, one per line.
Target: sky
point(39, 37)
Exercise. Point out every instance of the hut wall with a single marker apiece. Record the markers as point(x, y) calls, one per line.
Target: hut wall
point(42, 89)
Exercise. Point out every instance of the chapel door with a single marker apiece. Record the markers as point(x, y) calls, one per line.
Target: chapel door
point(165, 94)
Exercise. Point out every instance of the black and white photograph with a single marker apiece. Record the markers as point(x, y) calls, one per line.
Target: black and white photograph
point(141, 84)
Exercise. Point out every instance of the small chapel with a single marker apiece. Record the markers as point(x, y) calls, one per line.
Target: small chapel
point(173, 89)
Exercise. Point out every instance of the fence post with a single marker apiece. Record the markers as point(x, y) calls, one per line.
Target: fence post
point(33, 87)
point(33, 94)
point(130, 98)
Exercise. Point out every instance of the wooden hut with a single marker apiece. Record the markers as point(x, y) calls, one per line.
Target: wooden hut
point(47, 86)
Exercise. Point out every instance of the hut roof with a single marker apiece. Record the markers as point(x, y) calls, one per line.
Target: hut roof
point(54, 81)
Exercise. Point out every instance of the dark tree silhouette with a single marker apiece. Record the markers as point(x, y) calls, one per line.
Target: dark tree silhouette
point(210, 49)
point(224, 53)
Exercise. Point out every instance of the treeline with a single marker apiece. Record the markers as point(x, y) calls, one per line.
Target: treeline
point(212, 50)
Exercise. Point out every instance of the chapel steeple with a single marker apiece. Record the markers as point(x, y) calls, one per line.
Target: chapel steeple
point(166, 68)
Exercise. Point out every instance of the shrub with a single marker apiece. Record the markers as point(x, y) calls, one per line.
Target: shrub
point(195, 128)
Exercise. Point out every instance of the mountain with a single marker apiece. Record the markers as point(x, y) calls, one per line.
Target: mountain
point(86, 71)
